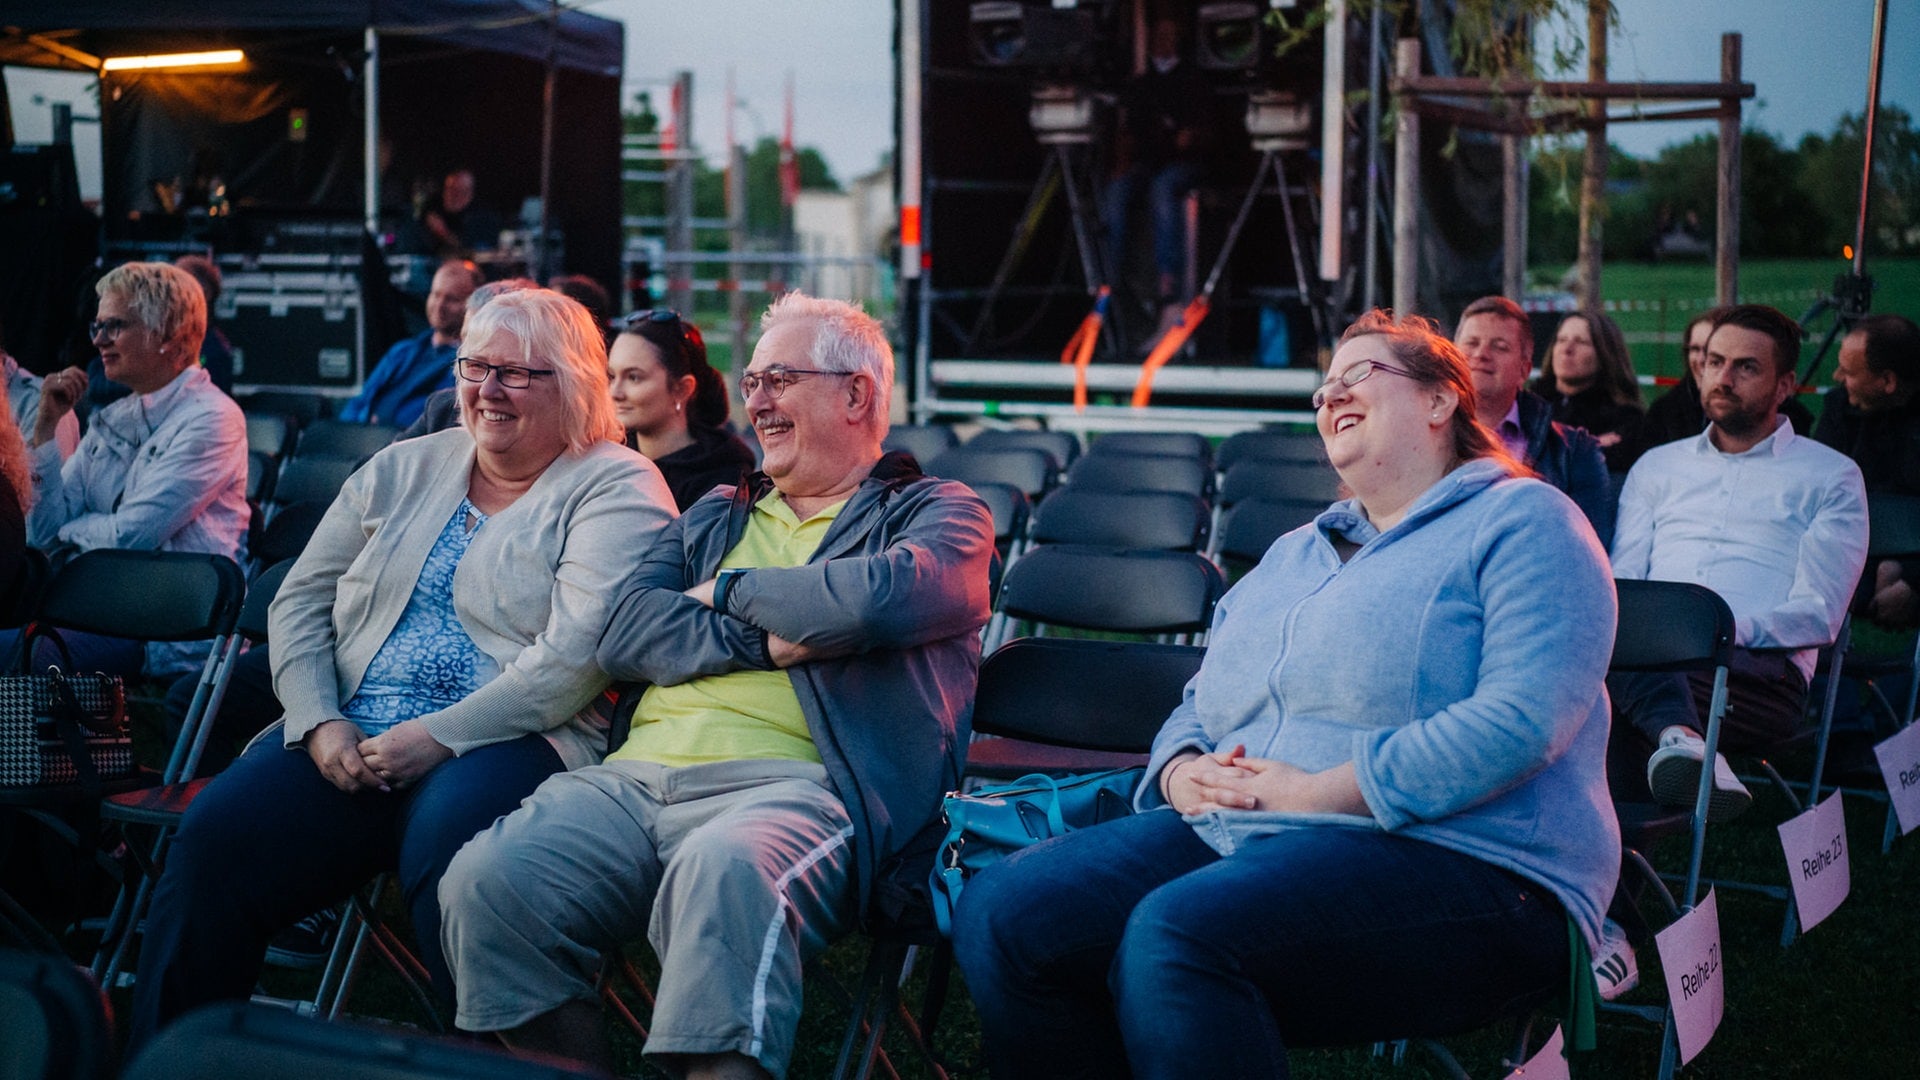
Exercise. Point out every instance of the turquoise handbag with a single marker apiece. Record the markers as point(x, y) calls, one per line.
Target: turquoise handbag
point(984, 826)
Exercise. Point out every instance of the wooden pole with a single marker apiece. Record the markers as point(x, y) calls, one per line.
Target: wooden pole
point(1406, 182)
point(1513, 151)
point(1726, 232)
point(1593, 175)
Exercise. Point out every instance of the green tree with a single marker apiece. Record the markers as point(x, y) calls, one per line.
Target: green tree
point(1829, 176)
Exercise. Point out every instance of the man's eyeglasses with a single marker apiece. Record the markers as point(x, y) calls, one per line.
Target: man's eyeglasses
point(106, 328)
point(1352, 377)
point(777, 378)
point(511, 376)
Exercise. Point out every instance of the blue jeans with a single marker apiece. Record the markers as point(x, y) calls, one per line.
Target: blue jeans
point(124, 657)
point(270, 840)
point(1132, 949)
point(1166, 185)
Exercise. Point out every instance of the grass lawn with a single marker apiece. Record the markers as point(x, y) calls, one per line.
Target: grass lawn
point(1844, 1000)
point(1653, 301)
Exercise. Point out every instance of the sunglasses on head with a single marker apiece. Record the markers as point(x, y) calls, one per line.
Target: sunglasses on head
point(658, 315)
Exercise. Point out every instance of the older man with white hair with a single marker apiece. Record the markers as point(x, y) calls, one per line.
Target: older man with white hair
point(811, 641)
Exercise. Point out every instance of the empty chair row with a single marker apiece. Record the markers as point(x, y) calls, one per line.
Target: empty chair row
point(277, 436)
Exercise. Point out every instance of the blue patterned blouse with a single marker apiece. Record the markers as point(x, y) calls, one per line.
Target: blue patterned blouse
point(428, 662)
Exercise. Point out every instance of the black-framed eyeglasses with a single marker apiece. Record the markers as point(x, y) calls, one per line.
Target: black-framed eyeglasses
point(107, 328)
point(777, 378)
point(511, 376)
point(1354, 376)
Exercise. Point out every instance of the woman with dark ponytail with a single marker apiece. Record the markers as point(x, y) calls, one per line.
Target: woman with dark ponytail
point(674, 404)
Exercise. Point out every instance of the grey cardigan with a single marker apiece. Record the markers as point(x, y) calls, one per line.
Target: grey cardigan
point(532, 591)
point(896, 595)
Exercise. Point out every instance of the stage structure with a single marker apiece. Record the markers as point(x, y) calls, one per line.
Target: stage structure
point(285, 161)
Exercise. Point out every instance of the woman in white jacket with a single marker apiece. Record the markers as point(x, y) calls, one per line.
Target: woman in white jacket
point(434, 648)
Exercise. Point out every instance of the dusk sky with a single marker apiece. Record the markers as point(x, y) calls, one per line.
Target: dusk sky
point(1809, 62)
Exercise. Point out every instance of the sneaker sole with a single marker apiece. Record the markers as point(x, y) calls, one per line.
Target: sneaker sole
point(1620, 989)
point(298, 960)
point(1675, 781)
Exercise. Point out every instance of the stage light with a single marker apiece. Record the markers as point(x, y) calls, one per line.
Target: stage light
point(1061, 114)
point(1278, 121)
point(214, 58)
point(1227, 35)
point(1008, 33)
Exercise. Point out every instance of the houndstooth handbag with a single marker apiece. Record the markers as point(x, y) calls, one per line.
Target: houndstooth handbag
point(57, 728)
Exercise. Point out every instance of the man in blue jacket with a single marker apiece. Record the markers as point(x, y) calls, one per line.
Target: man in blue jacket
point(396, 391)
point(811, 641)
point(1498, 343)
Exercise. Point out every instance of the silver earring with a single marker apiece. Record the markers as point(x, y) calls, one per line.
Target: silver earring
point(676, 406)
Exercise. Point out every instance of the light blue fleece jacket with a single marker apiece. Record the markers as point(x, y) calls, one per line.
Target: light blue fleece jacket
point(1456, 659)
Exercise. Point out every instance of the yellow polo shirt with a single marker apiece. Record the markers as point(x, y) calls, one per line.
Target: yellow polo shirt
point(742, 714)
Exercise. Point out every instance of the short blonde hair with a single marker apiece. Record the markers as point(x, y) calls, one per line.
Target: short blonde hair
point(558, 333)
point(163, 298)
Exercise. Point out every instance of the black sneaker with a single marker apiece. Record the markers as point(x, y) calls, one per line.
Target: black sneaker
point(307, 943)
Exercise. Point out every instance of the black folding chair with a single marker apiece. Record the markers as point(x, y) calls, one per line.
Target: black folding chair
point(54, 1022)
point(21, 601)
point(1062, 446)
point(1142, 472)
point(287, 533)
point(1670, 626)
point(1126, 591)
point(1249, 527)
point(1162, 443)
point(161, 808)
point(1090, 704)
point(270, 433)
point(310, 480)
point(300, 408)
point(147, 596)
point(1167, 520)
point(1269, 444)
point(344, 439)
point(1893, 524)
point(1273, 479)
point(237, 1039)
point(924, 441)
point(262, 470)
point(1030, 469)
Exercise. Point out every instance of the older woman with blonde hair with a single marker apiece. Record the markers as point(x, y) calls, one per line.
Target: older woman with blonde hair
point(163, 469)
point(434, 647)
point(1380, 810)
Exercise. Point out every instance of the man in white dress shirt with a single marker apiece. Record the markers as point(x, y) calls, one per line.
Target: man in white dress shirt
point(1773, 522)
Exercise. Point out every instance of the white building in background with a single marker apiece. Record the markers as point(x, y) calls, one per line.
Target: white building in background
point(847, 238)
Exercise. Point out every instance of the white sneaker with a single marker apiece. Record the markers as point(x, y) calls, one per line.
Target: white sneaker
point(1673, 773)
point(1615, 970)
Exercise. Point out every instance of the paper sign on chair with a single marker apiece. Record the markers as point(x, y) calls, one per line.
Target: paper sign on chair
point(1900, 766)
point(1549, 1064)
point(1816, 847)
point(1696, 984)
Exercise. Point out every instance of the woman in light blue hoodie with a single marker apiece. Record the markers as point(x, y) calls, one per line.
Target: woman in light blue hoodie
point(1382, 803)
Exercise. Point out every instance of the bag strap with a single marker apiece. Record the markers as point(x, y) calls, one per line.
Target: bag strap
point(1056, 824)
point(69, 719)
point(36, 633)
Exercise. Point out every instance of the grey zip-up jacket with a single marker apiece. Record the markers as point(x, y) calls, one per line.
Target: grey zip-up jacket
point(895, 595)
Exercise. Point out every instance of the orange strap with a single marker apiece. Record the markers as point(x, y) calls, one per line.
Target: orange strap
point(1175, 338)
point(1079, 350)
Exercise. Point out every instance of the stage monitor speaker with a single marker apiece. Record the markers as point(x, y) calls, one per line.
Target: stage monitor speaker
point(40, 177)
